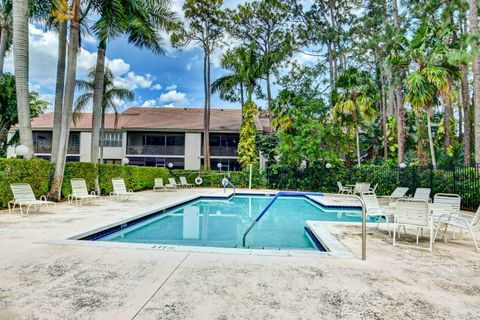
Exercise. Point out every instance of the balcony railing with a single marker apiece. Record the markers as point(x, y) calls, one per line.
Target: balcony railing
point(46, 149)
point(222, 151)
point(156, 150)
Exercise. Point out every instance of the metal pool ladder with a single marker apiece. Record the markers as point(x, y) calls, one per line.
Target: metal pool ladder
point(319, 194)
point(226, 183)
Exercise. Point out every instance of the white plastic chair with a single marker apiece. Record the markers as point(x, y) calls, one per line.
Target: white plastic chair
point(120, 190)
point(80, 192)
point(462, 221)
point(343, 189)
point(159, 184)
point(361, 187)
point(23, 196)
point(414, 213)
point(172, 183)
point(375, 210)
point(184, 183)
point(422, 194)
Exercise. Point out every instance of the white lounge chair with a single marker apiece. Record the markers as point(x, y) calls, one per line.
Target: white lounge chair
point(446, 203)
point(172, 183)
point(159, 184)
point(120, 190)
point(80, 192)
point(414, 213)
point(343, 189)
point(398, 193)
point(375, 210)
point(361, 187)
point(462, 221)
point(374, 189)
point(23, 196)
point(184, 183)
point(422, 194)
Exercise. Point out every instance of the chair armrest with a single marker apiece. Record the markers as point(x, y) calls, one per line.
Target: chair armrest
point(130, 190)
point(43, 198)
point(93, 193)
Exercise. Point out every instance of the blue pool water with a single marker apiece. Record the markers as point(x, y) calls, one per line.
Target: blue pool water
point(222, 223)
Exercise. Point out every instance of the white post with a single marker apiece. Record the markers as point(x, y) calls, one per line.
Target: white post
point(250, 178)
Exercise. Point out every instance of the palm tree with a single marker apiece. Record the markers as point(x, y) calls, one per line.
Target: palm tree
point(5, 30)
point(355, 101)
point(20, 58)
point(109, 93)
point(473, 17)
point(430, 78)
point(141, 21)
point(73, 47)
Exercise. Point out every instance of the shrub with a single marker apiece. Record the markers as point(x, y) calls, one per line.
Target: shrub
point(36, 172)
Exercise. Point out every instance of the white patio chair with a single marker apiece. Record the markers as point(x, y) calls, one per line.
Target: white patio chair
point(374, 189)
point(361, 187)
point(80, 192)
point(159, 184)
point(375, 210)
point(461, 221)
point(23, 196)
point(172, 183)
point(414, 213)
point(422, 194)
point(398, 193)
point(120, 190)
point(445, 203)
point(343, 189)
point(184, 183)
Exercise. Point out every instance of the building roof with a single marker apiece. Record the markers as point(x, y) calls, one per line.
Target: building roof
point(161, 119)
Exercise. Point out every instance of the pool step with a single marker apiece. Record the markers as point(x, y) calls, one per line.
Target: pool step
point(314, 240)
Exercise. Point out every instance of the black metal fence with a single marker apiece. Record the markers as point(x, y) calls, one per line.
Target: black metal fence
point(464, 181)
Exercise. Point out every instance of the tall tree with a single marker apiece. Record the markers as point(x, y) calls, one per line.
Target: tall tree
point(20, 57)
point(5, 30)
point(141, 21)
point(73, 47)
point(473, 17)
point(355, 102)
point(110, 94)
point(267, 24)
point(204, 26)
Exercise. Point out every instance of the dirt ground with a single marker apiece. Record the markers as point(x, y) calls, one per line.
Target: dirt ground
point(40, 279)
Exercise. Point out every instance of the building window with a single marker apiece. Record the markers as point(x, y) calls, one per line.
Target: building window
point(227, 164)
point(168, 144)
point(178, 163)
point(112, 139)
point(223, 144)
point(42, 142)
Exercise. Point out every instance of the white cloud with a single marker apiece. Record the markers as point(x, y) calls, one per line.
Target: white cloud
point(306, 59)
point(156, 87)
point(118, 67)
point(174, 97)
point(149, 104)
point(172, 87)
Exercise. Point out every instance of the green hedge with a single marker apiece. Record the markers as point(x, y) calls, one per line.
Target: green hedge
point(36, 172)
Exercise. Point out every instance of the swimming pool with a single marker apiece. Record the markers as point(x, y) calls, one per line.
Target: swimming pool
point(217, 222)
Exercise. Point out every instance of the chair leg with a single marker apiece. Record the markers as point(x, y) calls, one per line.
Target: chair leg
point(473, 237)
point(417, 235)
point(431, 237)
point(394, 232)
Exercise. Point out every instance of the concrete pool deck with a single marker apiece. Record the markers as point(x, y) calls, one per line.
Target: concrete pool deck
point(43, 278)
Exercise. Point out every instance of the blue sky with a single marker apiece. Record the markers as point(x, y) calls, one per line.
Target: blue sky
point(173, 79)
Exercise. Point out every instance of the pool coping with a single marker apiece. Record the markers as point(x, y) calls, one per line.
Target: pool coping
point(333, 246)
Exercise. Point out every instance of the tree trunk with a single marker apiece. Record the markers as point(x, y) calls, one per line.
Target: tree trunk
point(391, 94)
point(73, 47)
point(430, 139)
point(206, 116)
point(467, 129)
point(400, 124)
point(20, 58)
point(3, 45)
point(357, 138)
point(446, 122)
point(384, 115)
point(396, 22)
point(269, 92)
point(476, 77)
point(102, 136)
point(98, 102)
point(59, 88)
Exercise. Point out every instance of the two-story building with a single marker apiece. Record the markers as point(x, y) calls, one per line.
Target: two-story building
point(152, 137)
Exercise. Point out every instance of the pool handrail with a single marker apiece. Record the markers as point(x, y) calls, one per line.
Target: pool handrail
point(226, 183)
point(319, 194)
